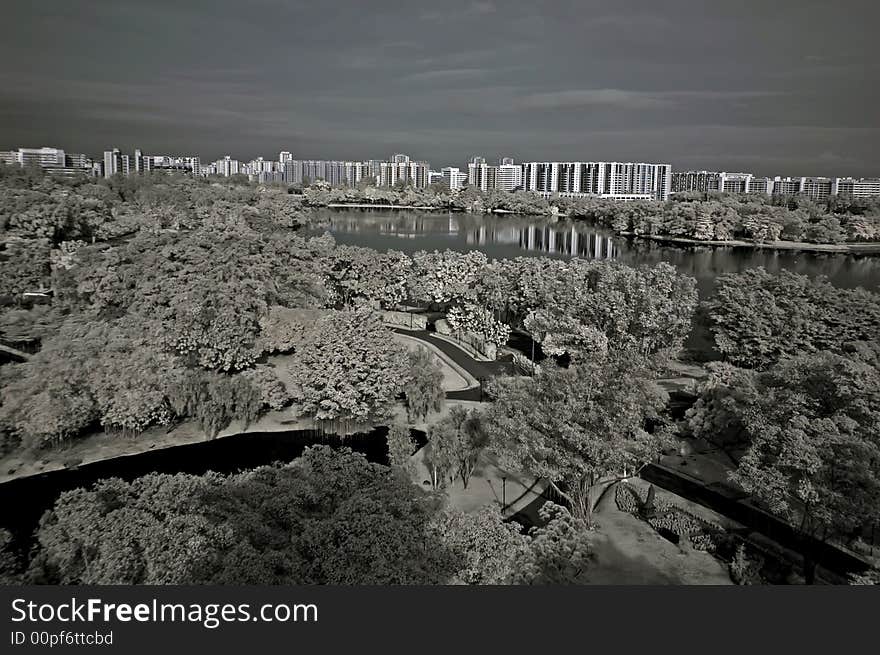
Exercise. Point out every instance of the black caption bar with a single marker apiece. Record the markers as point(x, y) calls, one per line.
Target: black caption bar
point(395, 619)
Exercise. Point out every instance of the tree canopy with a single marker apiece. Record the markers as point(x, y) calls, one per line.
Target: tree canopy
point(575, 426)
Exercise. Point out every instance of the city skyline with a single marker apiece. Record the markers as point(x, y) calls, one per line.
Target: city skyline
point(769, 89)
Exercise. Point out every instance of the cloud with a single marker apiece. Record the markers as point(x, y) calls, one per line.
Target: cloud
point(482, 8)
point(634, 100)
point(445, 74)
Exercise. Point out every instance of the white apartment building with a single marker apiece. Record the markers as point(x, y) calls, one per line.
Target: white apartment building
point(623, 180)
point(402, 169)
point(453, 177)
point(227, 166)
point(509, 176)
point(481, 175)
point(116, 163)
point(43, 157)
point(52, 160)
point(857, 188)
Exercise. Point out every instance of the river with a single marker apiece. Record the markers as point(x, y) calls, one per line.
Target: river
point(506, 236)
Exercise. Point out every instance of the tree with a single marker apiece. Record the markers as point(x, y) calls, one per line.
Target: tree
point(478, 321)
point(378, 278)
point(759, 318)
point(401, 447)
point(10, 565)
point(423, 384)
point(283, 329)
point(870, 577)
point(329, 517)
point(813, 454)
point(24, 266)
point(456, 442)
point(575, 427)
point(214, 400)
point(349, 368)
point(273, 394)
point(649, 309)
point(487, 547)
point(442, 277)
point(558, 552)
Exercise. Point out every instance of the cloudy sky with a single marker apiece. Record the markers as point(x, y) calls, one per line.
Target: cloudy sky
point(781, 87)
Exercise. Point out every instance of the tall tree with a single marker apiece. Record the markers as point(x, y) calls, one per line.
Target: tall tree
point(458, 439)
point(349, 368)
point(813, 424)
point(575, 427)
point(423, 384)
point(759, 318)
point(401, 447)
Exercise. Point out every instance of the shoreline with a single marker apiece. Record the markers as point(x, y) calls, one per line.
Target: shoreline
point(860, 248)
point(343, 205)
point(101, 446)
point(854, 248)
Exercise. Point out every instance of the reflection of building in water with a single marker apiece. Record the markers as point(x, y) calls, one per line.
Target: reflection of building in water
point(404, 226)
point(568, 242)
point(546, 239)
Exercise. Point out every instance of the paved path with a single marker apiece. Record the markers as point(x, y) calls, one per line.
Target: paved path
point(479, 370)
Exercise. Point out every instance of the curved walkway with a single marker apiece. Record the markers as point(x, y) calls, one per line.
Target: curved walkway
point(468, 381)
point(481, 371)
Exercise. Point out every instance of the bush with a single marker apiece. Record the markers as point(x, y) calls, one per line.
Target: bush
point(273, 393)
point(745, 569)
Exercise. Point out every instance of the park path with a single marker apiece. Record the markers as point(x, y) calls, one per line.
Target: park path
point(479, 370)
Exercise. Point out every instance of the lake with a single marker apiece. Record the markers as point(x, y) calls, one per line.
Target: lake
point(503, 236)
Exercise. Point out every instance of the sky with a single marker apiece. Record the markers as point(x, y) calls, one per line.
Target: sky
point(788, 87)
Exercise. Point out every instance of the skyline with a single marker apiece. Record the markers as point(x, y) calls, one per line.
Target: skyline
point(777, 89)
point(434, 168)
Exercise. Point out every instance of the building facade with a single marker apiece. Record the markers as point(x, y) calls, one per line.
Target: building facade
point(857, 188)
point(624, 180)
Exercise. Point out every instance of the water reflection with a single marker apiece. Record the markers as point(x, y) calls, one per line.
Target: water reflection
point(546, 239)
point(507, 236)
point(471, 232)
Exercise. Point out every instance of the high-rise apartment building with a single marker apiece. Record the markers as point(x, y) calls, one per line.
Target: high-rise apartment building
point(703, 181)
point(401, 169)
point(817, 188)
point(814, 188)
point(172, 163)
point(481, 175)
point(711, 181)
point(761, 185)
point(227, 166)
point(786, 186)
point(736, 182)
point(453, 177)
point(857, 188)
point(116, 163)
point(142, 164)
point(42, 157)
point(52, 160)
point(621, 180)
point(509, 176)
